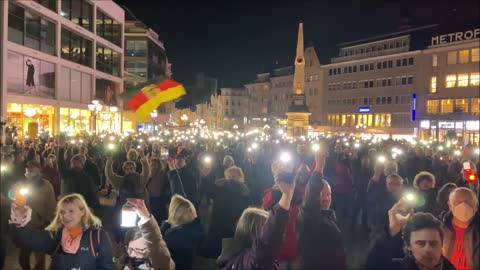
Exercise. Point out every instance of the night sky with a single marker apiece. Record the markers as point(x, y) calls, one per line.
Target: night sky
point(233, 40)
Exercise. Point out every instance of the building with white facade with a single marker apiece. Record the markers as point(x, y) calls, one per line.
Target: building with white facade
point(58, 56)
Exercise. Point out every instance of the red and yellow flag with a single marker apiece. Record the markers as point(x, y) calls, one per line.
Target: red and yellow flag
point(151, 96)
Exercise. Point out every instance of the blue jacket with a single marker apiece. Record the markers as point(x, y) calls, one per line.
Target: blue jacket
point(43, 241)
point(183, 242)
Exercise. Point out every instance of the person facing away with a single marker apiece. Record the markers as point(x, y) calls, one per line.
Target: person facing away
point(182, 232)
point(74, 239)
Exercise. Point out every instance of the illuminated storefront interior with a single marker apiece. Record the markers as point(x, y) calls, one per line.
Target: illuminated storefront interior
point(467, 131)
point(74, 121)
point(23, 114)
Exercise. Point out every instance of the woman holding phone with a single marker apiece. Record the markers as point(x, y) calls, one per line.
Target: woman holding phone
point(74, 239)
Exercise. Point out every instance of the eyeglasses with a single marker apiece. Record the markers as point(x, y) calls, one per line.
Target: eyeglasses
point(136, 250)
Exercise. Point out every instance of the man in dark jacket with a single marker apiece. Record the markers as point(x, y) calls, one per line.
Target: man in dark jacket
point(319, 239)
point(394, 188)
point(181, 178)
point(423, 237)
point(75, 178)
point(462, 230)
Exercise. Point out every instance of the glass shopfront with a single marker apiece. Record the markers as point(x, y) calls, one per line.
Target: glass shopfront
point(74, 121)
point(24, 116)
point(466, 131)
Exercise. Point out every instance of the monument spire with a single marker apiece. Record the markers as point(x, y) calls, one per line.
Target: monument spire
point(298, 114)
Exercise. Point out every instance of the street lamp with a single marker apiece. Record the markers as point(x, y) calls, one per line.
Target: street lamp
point(95, 107)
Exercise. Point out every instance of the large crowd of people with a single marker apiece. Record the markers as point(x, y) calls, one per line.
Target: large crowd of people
point(226, 200)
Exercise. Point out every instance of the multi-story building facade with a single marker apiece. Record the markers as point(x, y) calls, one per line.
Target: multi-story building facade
point(58, 56)
point(451, 92)
point(270, 95)
point(145, 62)
point(369, 86)
point(234, 104)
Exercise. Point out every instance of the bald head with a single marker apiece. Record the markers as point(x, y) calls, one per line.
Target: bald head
point(461, 195)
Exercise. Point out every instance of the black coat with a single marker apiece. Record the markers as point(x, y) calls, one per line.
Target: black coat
point(183, 242)
point(230, 198)
point(184, 182)
point(320, 243)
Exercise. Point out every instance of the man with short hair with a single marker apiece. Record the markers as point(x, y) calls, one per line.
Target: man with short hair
point(394, 189)
point(462, 230)
point(422, 237)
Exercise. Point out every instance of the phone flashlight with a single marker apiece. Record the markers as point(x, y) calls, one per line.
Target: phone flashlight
point(357, 145)
point(457, 153)
point(285, 157)
point(111, 146)
point(3, 168)
point(381, 159)
point(254, 146)
point(315, 147)
point(207, 160)
point(72, 141)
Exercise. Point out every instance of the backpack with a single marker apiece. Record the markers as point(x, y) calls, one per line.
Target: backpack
point(94, 248)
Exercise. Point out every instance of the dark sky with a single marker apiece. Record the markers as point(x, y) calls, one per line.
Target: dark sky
point(235, 39)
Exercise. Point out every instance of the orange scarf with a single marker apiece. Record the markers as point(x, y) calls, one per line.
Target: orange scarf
point(71, 238)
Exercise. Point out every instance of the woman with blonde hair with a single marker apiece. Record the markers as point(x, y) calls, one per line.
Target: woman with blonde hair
point(182, 232)
point(74, 239)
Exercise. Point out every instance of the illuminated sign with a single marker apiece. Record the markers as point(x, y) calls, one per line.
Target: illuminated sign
point(414, 107)
point(364, 109)
point(456, 37)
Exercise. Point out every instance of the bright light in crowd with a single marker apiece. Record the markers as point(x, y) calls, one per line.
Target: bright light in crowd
point(72, 141)
point(23, 191)
point(477, 151)
point(111, 138)
point(457, 153)
point(316, 147)
point(111, 146)
point(207, 159)
point(249, 149)
point(440, 148)
point(3, 168)
point(80, 141)
point(280, 132)
point(254, 145)
point(409, 197)
point(381, 159)
point(357, 145)
point(285, 157)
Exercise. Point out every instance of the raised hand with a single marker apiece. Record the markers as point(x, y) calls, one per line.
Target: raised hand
point(398, 216)
point(139, 204)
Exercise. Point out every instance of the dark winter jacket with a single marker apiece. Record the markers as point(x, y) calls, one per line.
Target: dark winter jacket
point(319, 239)
point(262, 253)
point(45, 242)
point(77, 182)
point(183, 182)
point(471, 239)
point(387, 253)
point(183, 242)
point(230, 198)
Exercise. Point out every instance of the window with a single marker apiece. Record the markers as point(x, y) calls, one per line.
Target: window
point(389, 100)
point(330, 72)
point(29, 29)
point(378, 100)
point(432, 106)
point(79, 12)
point(384, 64)
point(361, 68)
point(475, 55)
point(372, 66)
point(450, 81)
point(354, 68)
point(475, 106)
point(334, 71)
point(108, 60)
point(137, 48)
point(365, 84)
point(379, 65)
point(452, 58)
point(396, 99)
point(137, 67)
point(383, 120)
point(108, 28)
point(404, 80)
point(404, 62)
point(410, 80)
point(339, 71)
point(463, 80)
point(433, 84)
point(50, 4)
point(434, 60)
point(345, 69)
point(399, 62)
point(475, 79)
point(390, 64)
point(350, 69)
point(384, 100)
point(410, 61)
point(446, 106)
point(461, 106)
point(367, 67)
point(370, 84)
point(463, 56)
point(76, 48)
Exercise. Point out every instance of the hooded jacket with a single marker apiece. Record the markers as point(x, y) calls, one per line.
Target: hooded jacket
point(262, 253)
point(471, 239)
